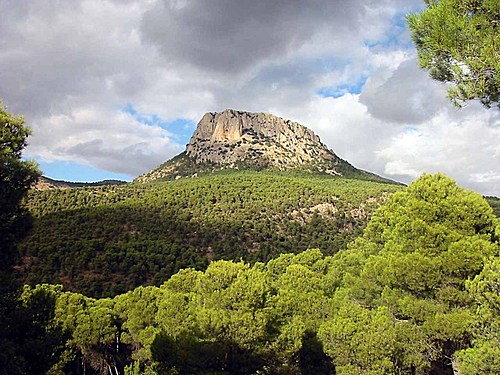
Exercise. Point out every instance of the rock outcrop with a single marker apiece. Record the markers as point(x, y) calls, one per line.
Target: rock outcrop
point(237, 139)
point(233, 137)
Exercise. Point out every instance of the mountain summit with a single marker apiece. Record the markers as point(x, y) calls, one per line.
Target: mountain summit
point(246, 140)
point(259, 139)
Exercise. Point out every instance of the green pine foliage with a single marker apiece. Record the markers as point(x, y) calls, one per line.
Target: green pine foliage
point(484, 355)
point(410, 270)
point(457, 41)
point(103, 241)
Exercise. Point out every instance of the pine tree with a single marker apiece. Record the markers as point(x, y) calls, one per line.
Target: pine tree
point(458, 41)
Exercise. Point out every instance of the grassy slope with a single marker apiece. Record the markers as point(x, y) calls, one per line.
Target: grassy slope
point(105, 240)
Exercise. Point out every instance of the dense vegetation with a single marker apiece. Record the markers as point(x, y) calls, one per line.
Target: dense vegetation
point(56, 184)
point(102, 241)
point(495, 204)
point(19, 334)
point(417, 293)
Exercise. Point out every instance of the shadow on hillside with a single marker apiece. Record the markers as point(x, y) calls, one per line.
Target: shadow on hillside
point(189, 355)
point(107, 250)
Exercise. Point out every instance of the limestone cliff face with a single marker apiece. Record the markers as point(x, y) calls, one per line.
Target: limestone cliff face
point(233, 136)
point(237, 139)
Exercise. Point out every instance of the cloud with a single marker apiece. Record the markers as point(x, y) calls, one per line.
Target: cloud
point(71, 71)
point(227, 36)
point(464, 144)
point(345, 125)
point(56, 59)
point(344, 68)
point(467, 150)
point(111, 140)
point(403, 95)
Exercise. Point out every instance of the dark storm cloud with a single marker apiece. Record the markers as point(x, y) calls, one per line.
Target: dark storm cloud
point(407, 96)
point(56, 54)
point(228, 36)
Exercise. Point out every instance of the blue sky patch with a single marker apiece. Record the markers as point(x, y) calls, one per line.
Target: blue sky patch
point(410, 130)
point(397, 37)
point(342, 89)
point(76, 172)
point(181, 129)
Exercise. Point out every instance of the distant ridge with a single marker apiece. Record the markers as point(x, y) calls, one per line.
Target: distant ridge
point(245, 140)
point(46, 183)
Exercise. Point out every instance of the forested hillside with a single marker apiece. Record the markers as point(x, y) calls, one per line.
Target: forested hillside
point(495, 204)
point(106, 240)
point(417, 293)
point(45, 183)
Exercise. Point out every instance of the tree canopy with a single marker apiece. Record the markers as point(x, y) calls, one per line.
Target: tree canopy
point(102, 241)
point(408, 276)
point(458, 41)
point(16, 177)
point(20, 330)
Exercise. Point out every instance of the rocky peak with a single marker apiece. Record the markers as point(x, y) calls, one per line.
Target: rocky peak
point(234, 136)
point(238, 139)
point(231, 125)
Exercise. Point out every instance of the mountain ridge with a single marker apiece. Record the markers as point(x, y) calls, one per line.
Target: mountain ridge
point(47, 183)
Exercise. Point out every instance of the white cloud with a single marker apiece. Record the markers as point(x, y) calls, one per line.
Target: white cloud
point(467, 150)
point(404, 94)
point(401, 168)
point(111, 140)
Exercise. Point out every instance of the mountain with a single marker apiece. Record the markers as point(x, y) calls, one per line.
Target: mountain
point(45, 183)
point(265, 186)
point(245, 140)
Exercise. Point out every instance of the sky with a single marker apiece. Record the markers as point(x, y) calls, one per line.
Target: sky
point(113, 88)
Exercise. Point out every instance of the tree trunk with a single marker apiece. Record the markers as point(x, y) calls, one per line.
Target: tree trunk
point(455, 365)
